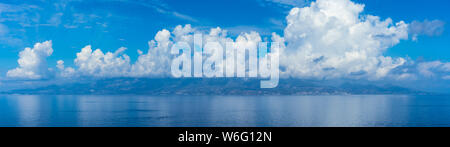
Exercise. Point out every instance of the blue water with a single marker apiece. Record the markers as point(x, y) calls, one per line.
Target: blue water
point(267, 111)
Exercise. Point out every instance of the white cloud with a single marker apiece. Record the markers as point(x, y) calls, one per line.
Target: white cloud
point(12, 15)
point(3, 30)
point(160, 7)
point(184, 16)
point(6, 8)
point(55, 20)
point(429, 28)
point(63, 71)
point(157, 61)
point(85, 20)
point(7, 38)
point(21, 14)
point(32, 62)
point(332, 39)
point(447, 77)
point(60, 64)
point(328, 39)
point(237, 30)
point(289, 3)
point(435, 68)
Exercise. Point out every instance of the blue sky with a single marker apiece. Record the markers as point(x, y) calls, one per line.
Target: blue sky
point(111, 24)
point(430, 48)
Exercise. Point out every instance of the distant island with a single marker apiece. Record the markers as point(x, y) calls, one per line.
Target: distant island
point(167, 86)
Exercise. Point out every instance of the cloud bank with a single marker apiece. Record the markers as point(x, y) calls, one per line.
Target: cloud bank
point(325, 40)
point(332, 39)
point(32, 62)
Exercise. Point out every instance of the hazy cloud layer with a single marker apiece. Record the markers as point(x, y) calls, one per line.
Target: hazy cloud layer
point(155, 62)
point(435, 69)
point(289, 3)
point(429, 28)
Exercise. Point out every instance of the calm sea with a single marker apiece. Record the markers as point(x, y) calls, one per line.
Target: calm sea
point(265, 111)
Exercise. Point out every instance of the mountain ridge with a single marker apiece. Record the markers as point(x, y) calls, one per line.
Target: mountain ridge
point(192, 86)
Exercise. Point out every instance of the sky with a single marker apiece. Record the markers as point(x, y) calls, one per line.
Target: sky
point(404, 40)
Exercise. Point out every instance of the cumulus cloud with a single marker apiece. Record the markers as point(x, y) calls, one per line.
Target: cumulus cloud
point(332, 38)
point(3, 30)
point(447, 77)
point(429, 28)
point(156, 61)
point(32, 62)
point(291, 3)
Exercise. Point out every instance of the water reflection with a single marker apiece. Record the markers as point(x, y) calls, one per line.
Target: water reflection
point(22, 110)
